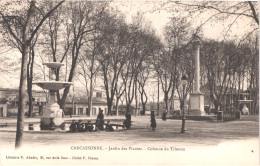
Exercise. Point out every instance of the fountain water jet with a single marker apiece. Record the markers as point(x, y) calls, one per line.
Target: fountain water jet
point(52, 115)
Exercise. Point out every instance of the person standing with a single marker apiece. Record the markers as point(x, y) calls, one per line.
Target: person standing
point(153, 121)
point(164, 115)
point(100, 121)
point(127, 121)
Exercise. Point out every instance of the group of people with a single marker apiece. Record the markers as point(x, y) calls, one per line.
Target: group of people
point(81, 127)
point(100, 122)
point(88, 127)
point(153, 121)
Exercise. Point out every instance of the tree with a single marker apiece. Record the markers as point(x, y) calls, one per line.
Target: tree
point(142, 45)
point(246, 73)
point(74, 24)
point(30, 67)
point(185, 67)
point(253, 72)
point(120, 90)
point(232, 12)
point(112, 53)
point(30, 78)
point(142, 80)
point(17, 25)
point(25, 19)
point(89, 68)
point(218, 59)
point(175, 58)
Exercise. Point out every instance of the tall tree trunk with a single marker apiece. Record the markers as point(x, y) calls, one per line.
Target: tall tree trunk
point(109, 106)
point(143, 103)
point(216, 104)
point(143, 98)
point(166, 100)
point(117, 101)
point(29, 83)
point(144, 108)
point(129, 98)
point(136, 102)
point(22, 95)
point(89, 105)
point(62, 100)
point(90, 97)
point(23, 77)
point(127, 108)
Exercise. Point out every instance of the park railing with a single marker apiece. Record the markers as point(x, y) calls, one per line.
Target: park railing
point(228, 115)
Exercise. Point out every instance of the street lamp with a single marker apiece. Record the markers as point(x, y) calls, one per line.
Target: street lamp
point(184, 82)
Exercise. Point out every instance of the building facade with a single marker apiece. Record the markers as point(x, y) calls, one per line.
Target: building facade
point(9, 100)
point(78, 106)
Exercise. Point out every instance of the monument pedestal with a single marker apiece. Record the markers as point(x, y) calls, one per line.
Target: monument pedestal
point(196, 104)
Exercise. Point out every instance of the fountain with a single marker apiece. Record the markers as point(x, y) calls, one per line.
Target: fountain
point(52, 115)
point(245, 110)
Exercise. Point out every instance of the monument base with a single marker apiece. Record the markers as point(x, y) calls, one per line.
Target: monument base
point(196, 104)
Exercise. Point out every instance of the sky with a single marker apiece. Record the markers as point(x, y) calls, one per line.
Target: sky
point(160, 16)
point(158, 19)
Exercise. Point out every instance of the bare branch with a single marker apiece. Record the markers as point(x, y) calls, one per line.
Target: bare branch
point(44, 18)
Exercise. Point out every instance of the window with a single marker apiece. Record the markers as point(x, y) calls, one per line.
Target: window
point(1, 112)
point(87, 112)
point(94, 111)
point(14, 103)
point(80, 111)
point(99, 94)
point(105, 110)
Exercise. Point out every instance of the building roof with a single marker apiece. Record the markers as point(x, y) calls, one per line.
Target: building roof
point(17, 90)
point(13, 94)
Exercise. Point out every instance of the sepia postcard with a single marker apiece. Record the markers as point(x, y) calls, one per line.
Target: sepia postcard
point(129, 82)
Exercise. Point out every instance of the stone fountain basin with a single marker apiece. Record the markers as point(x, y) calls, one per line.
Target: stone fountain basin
point(52, 85)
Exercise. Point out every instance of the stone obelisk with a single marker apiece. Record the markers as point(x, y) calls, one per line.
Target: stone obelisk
point(196, 97)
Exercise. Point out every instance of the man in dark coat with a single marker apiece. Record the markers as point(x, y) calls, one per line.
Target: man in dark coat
point(100, 121)
point(164, 115)
point(127, 121)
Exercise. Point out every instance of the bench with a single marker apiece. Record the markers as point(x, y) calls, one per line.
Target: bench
point(117, 125)
point(116, 122)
